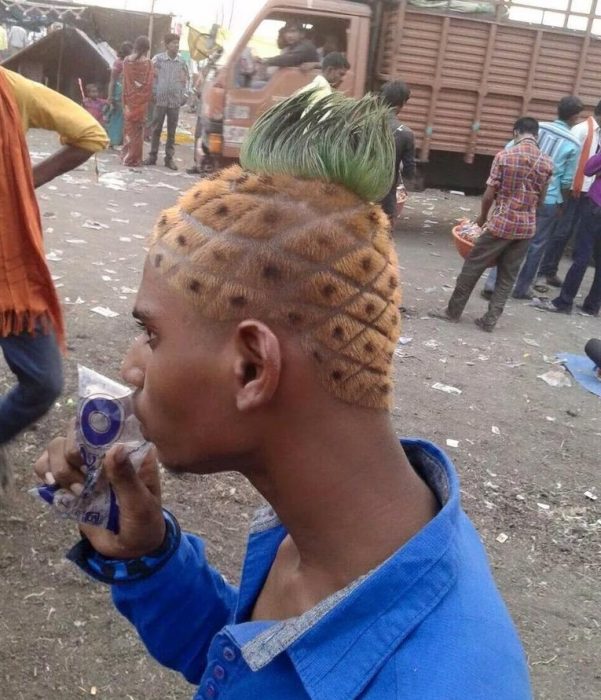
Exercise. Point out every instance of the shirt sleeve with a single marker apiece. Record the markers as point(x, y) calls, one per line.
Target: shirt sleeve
point(42, 108)
point(496, 173)
point(408, 152)
point(593, 165)
point(174, 599)
point(570, 166)
point(303, 53)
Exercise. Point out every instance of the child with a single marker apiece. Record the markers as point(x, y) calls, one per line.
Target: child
point(269, 304)
point(94, 104)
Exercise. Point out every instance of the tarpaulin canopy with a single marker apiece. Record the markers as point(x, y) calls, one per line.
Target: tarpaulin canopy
point(99, 23)
point(62, 58)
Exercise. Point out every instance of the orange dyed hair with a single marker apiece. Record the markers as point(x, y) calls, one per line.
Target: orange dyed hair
point(309, 256)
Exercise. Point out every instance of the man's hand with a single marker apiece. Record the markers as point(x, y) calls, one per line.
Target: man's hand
point(141, 522)
point(67, 158)
point(480, 221)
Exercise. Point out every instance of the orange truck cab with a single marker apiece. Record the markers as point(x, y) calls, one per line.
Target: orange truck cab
point(471, 73)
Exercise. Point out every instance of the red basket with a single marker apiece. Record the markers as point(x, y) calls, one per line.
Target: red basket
point(464, 247)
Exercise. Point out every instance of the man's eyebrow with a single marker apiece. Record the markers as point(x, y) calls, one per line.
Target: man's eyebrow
point(141, 315)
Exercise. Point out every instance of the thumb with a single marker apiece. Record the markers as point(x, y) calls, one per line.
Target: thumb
point(129, 489)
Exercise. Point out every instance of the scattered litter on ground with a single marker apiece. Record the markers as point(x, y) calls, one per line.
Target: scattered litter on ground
point(591, 496)
point(77, 302)
point(531, 342)
point(544, 506)
point(434, 344)
point(502, 538)
point(495, 430)
point(96, 225)
point(405, 341)
point(76, 241)
point(555, 378)
point(447, 389)
point(104, 311)
point(452, 443)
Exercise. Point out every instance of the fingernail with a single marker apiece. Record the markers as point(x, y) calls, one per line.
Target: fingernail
point(49, 479)
point(76, 488)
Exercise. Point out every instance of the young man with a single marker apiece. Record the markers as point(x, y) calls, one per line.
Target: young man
point(171, 77)
point(31, 324)
point(587, 245)
point(587, 133)
point(517, 184)
point(297, 48)
point(270, 308)
point(557, 141)
point(395, 95)
point(334, 68)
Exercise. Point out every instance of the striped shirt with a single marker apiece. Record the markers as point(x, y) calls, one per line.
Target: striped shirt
point(557, 141)
point(171, 77)
point(519, 174)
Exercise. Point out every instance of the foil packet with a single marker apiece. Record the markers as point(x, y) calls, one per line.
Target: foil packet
point(105, 417)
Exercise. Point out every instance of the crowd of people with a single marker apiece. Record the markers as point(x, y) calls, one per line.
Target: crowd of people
point(270, 312)
point(542, 191)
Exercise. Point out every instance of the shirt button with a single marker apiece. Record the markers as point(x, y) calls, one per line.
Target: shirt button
point(211, 690)
point(229, 654)
point(219, 673)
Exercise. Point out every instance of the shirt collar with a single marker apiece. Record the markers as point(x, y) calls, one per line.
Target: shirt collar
point(340, 645)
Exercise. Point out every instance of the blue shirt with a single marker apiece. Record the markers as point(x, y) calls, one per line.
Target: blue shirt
point(427, 624)
point(557, 141)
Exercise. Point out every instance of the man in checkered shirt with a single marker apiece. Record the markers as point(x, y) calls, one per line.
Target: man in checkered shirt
point(516, 186)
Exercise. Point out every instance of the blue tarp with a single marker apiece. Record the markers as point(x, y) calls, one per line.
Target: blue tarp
point(583, 370)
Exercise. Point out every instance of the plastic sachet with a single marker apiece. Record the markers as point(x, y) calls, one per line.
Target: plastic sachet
point(105, 417)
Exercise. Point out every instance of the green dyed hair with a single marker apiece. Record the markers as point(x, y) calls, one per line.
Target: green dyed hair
point(334, 139)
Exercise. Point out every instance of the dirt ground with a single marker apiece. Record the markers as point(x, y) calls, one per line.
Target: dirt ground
point(526, 453)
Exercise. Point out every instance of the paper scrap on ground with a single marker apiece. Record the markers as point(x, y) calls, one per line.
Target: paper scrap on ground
point(502, 538)
point(96, 225)
point(452, 443)
point(447, 389)
point(405, 341)
point(495, 430)
point(104, 311)
point(583, 371)
point(531, 342)
point(54, 256)
point(556, 378)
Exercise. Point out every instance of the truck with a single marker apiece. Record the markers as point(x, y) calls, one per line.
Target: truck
point(472, 67)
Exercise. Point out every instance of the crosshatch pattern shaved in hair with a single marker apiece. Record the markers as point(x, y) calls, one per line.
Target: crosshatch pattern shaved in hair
point(309, 256)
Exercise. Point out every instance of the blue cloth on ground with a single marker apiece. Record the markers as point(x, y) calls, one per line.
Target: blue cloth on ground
point(583, 371)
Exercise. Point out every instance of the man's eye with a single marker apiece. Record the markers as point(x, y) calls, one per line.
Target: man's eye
point(150, 335)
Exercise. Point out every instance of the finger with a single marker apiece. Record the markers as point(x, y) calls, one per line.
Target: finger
point(72, 447)
point(149, 473)
point(61, 470)
point(132, 493)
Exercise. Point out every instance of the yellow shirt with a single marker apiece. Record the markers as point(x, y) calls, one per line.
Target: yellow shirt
point(43, 108)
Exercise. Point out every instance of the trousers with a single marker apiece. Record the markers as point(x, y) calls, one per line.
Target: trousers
point(158, 120)
point(588, 242)
point(35, 360)
point(509, 255)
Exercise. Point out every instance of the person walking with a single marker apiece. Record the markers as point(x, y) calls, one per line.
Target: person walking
point(587, 133)
point(517, 184)
point(114, 125)
point(171, 78)
point(17, 39)
point(588, 243)
point(138, 77)
point(557, 141)
point(31, 322)
point(395, 95)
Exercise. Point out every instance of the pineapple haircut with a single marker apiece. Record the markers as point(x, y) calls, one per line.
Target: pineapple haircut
point(293, 237)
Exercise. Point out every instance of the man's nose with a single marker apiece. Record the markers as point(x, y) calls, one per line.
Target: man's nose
point(132, 367)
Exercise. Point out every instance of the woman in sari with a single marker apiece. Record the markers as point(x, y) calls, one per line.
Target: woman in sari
point(138, 77)
point(114, 126)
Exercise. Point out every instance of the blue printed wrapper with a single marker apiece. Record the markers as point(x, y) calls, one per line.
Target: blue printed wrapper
point(105, 417)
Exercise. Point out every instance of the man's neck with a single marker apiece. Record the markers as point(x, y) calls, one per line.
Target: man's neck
point(347, 495)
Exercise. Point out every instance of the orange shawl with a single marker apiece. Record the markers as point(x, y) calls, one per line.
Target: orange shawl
point(27, 295)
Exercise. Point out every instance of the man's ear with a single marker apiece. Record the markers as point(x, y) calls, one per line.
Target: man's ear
point(258, 365)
